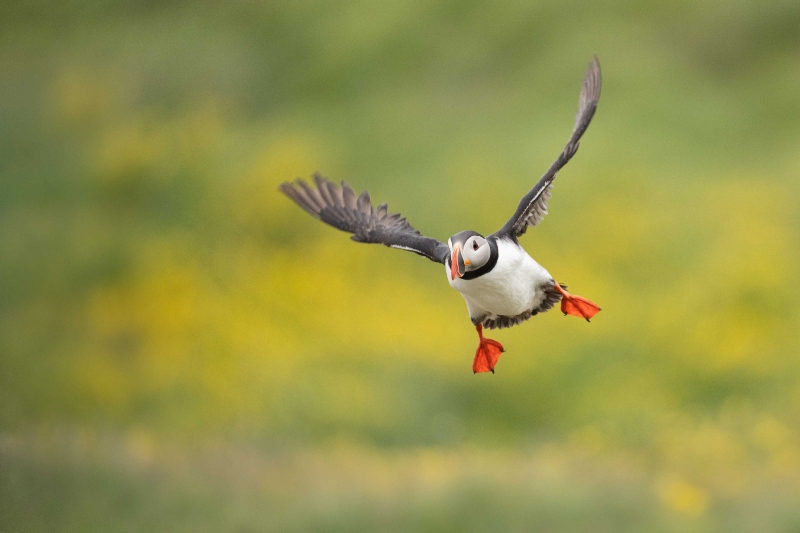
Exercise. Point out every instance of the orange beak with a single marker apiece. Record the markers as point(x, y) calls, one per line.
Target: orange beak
point(457, 266)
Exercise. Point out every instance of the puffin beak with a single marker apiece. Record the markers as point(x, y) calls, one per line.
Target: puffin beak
point(457, 266)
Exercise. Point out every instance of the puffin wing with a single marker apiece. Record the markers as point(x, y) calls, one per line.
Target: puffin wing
point(340, 207)
point(533, 206)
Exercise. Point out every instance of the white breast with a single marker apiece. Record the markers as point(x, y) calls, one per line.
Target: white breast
point(511, 288)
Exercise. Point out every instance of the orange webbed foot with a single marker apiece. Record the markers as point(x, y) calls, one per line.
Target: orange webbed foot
point(576, 305)
point(487, 354)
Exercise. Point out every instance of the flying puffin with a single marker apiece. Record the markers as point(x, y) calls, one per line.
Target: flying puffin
point(502, 285)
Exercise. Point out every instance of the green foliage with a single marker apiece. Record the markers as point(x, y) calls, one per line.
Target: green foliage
point(183, 348)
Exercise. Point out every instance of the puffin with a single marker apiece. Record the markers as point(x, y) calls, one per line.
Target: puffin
point(500, 282)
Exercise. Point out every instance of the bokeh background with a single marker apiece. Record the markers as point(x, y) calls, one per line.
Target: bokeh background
point(183, 349)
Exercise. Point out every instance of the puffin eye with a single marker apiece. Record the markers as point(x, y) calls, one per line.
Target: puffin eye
point(474, 245)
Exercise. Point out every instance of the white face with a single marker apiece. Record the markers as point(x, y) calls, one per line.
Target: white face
point(476, 252)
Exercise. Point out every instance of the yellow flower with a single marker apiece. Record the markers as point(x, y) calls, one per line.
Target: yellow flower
point(685, 498)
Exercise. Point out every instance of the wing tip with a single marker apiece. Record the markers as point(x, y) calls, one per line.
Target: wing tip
point(593, 80)
point(303, 195)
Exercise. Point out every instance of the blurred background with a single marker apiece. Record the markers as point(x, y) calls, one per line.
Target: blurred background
point(184, 349)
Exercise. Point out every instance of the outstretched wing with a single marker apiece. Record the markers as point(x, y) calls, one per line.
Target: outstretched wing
point(342, 209)
point(533, 206)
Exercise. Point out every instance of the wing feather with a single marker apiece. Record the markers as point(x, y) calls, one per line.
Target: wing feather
point(533, 206)
point(340, 207)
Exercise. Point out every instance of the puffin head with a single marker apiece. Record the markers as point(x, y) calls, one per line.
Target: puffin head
point(469, 250)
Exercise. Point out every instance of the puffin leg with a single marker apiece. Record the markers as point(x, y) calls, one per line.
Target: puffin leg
point(577, 306)
point(487, 354)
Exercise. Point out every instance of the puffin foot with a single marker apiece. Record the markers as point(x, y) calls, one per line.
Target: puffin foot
point(577, 306)
point(487, 354)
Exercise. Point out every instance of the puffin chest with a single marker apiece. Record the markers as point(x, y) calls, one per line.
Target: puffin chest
point(512, 287)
